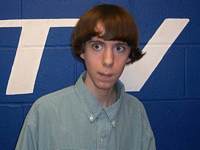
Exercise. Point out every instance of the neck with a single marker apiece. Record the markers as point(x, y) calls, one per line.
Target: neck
point(106, 97)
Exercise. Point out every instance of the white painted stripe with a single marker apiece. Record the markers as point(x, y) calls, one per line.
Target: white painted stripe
point(49, 22)
point(33, 37)
point(27, 60)
point(135, 76)
point(29, 52)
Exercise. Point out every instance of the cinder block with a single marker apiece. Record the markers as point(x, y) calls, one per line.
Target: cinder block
point(150, 14)
point(9, 37)
point(10, 9)
point(57, 70)
point(123, 3)
point(168, 79)
point(59, 37)
point(175, 122)
point(7, 56)
point(193, 71)
point(55, 9)
point(10, 125)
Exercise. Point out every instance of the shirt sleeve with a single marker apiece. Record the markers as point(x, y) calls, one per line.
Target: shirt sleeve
point(148, 136)
point(28, 136)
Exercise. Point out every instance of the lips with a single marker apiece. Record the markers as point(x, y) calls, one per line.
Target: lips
point(105, 76)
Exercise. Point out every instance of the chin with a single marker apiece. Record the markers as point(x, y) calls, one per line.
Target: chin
point(105, 86)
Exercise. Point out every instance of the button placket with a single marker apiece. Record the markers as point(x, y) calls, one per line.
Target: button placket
point(102, 124)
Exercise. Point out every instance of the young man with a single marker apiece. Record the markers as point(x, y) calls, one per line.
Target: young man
point(95, 113)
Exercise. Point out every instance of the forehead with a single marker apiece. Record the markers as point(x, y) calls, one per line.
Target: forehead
point(99, 39)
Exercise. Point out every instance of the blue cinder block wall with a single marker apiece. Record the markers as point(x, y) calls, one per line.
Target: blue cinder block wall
point(171, 95)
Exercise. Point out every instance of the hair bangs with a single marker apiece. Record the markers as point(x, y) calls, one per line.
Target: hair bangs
point(109, 22)
point(120, 28)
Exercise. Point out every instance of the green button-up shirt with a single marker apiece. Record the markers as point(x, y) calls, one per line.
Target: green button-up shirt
point(72, 119)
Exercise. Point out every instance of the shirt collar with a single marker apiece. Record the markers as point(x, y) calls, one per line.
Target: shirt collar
point(92, 106)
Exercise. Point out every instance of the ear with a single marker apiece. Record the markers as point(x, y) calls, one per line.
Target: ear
point(82, 56)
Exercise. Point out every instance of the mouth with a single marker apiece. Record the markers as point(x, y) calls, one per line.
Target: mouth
point(105, 76)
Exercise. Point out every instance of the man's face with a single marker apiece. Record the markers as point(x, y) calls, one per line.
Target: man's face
point(105, 61)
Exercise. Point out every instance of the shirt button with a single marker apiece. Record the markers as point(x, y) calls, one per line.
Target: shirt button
point(113, 124)
point(91, 117)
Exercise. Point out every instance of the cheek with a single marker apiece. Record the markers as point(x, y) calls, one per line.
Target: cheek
point(121, 62)
point(120, 68)
point(91, 59)
point(91, 62)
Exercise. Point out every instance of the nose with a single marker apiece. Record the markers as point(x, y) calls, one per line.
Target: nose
point(108, 57)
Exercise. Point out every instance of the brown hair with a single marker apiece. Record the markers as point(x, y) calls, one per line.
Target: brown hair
point(118, 24)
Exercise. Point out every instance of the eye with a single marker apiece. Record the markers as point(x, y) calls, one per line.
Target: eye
point(120, 48)
point(96, 46)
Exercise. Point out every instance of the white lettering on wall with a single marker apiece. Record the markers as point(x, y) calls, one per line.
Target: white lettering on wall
point(33, 37)
point(29, 51)
point(135, 76)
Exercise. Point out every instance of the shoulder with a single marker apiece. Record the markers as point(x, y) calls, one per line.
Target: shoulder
point(54, 98)
point(132, 102)
point(133, 106)
point(136, 110)
point(51, 103)
point(129, 101)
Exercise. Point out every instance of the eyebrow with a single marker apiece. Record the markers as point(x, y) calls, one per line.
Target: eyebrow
point(101, 41)
point(95, 41)
point(122, 43)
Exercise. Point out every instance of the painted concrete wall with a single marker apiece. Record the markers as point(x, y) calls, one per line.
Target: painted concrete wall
point(36, 59)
